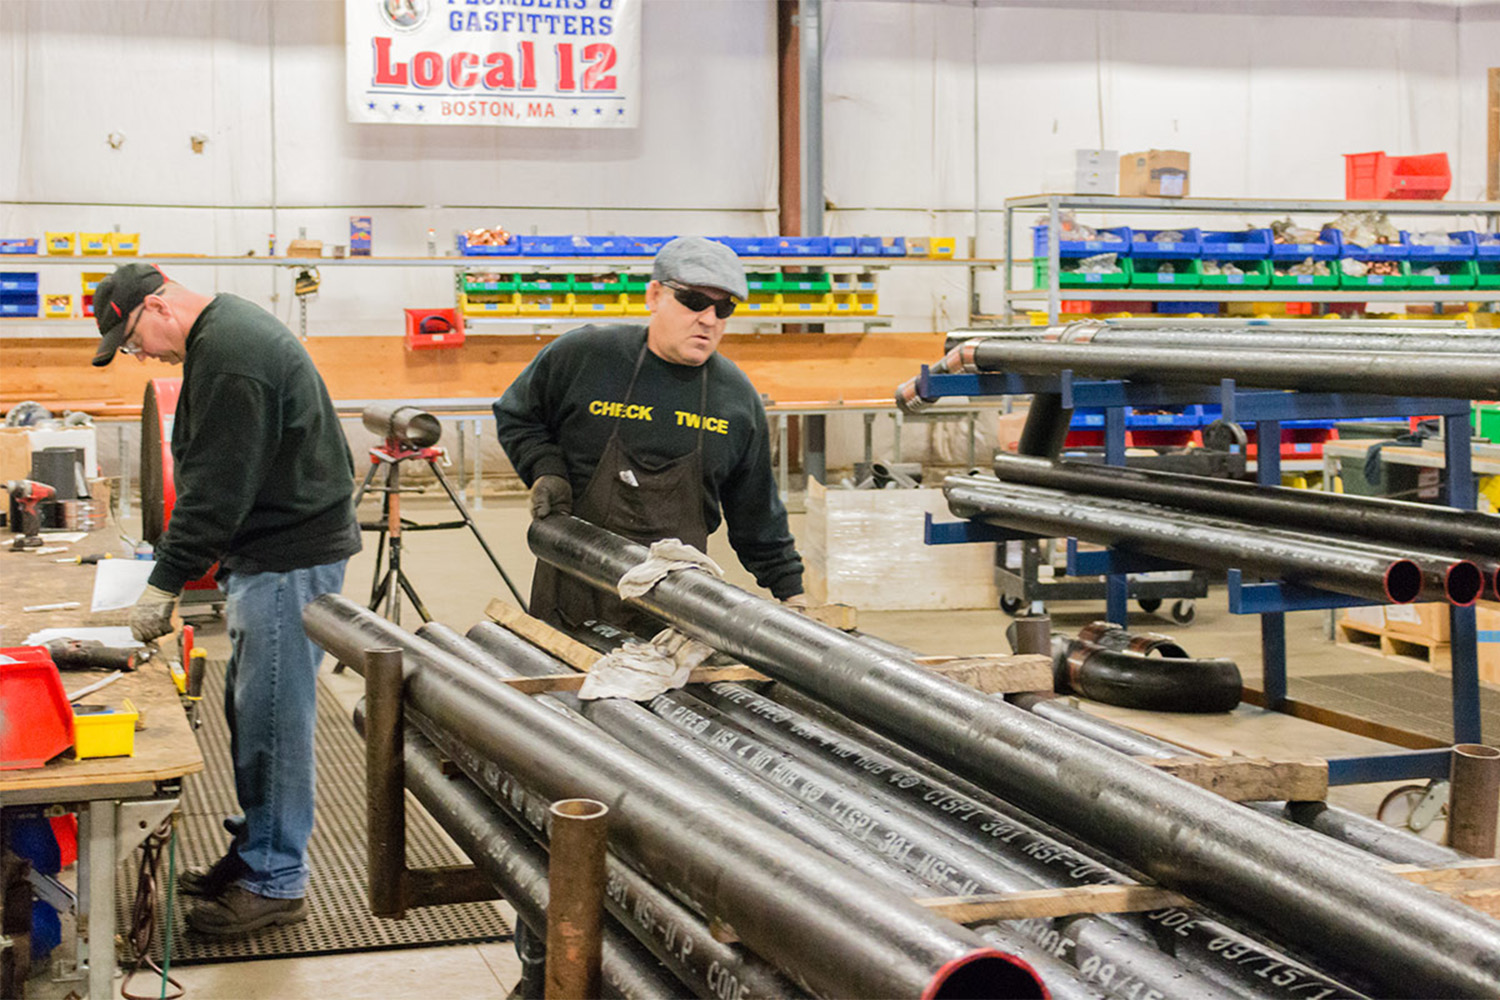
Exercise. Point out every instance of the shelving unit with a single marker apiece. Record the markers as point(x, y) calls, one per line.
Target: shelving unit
point(1266, 409)
point(1053, 295)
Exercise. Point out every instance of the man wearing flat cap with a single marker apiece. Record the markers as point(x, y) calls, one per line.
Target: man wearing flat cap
point(652, 434)
point(264, 485)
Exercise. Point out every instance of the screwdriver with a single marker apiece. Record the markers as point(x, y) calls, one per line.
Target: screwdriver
point(87, 560)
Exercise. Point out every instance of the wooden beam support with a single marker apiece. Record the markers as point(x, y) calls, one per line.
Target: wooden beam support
point(1250, 779)
point(1048, 903)
point(566, 648)
point(1478, 870)
point(994, 673)
point(1344, 721)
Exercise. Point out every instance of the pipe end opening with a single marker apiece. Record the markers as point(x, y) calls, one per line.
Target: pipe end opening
point(986, 973)
point(1403, 581)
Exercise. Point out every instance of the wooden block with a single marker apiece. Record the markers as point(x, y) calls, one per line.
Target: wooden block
point(572, 652)
point(1053, 902)
point(572, 682)
point(994, 673)
point(1478, 870)
point(843, 617)
point(1248, 779)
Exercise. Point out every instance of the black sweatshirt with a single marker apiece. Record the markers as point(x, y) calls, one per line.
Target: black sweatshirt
point(264, 477)
point(556, 419)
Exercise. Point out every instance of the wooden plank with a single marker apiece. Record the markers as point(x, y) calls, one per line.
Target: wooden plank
point(1053, 902)
point(572, 652)
point(1249, 779)
point(572, 682)
point(1485, 900)
point(995, 673)
point(843, 617)
point(1478, 870)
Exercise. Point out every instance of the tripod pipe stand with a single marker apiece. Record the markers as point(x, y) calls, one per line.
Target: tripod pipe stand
point(387, 587)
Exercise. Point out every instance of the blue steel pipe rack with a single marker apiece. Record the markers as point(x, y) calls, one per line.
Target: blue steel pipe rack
point(1266, 409)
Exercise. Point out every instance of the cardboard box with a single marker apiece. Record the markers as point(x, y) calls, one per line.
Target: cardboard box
point(1369, 617)
point(15, 453)
point(864, 548)
point(1487, 623)
point(1156, 173)
point(1427, 620)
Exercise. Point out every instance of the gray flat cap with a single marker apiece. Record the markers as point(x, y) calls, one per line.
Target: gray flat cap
point(693, 260)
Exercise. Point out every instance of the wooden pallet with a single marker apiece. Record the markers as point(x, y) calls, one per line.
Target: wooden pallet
point(1419, 651)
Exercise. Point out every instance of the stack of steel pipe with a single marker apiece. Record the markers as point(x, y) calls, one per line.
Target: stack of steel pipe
point(832, 929)
point(1300, 337)
point(1289, 884)
point(1394, 364)
point(1359, 567)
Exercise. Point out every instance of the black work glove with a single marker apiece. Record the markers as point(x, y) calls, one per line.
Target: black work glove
point(551, 495)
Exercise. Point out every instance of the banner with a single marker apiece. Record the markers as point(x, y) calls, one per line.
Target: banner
point(549, 63)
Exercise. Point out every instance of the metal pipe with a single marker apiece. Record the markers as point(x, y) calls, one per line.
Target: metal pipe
point(834, 928)
point(1395, 339)
point(1118, 738)
point(1473, 798)
point(405, 423)
point(1033, 635)
point(1268, 552)
point(575, 911)
point(1306, 510)
point(1046, 426)
point(518, 867)
point(1454, 376)
point(1183, 836)
point(385, 799)
point(1154, 683)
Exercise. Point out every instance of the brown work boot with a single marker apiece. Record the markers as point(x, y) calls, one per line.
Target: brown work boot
point(211, 880)
point(237, 911)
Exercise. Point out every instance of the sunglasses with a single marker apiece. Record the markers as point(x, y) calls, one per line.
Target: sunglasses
point(695, 301)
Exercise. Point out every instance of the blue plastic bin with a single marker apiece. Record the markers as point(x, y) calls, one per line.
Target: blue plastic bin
point(1144, 243)
point(751, 246)
point(1464, 250)
point(1486, 251)
point(557, 246)
point(19, 282)
point(843, 246)
point(647, 246)
point(1379, 251)
point(1247, 244)
point(1333, 242)
point(20, 305)
point(510, 249)
point(1082, 248)
point(610, 246)
point(17, 245)
point(802, 246)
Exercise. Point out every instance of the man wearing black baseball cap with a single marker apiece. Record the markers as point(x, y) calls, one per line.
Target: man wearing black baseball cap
point(264, 483)
point(654, 432)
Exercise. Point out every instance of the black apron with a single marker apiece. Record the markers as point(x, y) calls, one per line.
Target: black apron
point(640, 503)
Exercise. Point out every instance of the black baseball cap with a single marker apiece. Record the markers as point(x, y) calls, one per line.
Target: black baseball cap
point(115, 298)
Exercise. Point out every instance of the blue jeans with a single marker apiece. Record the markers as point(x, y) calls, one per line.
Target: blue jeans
point(270, 700)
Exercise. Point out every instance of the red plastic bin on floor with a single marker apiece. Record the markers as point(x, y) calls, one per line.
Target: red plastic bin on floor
point(38, 719)
point(1377, 177)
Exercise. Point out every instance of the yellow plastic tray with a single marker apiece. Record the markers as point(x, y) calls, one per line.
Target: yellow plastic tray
point(108, 733)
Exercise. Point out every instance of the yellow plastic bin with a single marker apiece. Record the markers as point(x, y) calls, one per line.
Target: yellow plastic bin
point(102, 731)
point(125, 244)
point(942, 246)
point(60, 244)
point(57, 306)
point(94, 244)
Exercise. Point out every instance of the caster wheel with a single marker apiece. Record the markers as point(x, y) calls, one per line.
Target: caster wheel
point(1149, 604)
point(1183, 612)
point(1011, 605)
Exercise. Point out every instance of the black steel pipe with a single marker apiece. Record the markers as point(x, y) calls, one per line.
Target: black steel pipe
point(385, 800)
point(1268, 552)
point(516, 865)
point(1046, 426)
point(1183, 836)
point(835, 929)
point(1393, 521)
point(1453, 376)
point(1136, 680)
point(1309, 338)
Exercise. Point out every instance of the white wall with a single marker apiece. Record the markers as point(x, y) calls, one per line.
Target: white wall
point(934, 114)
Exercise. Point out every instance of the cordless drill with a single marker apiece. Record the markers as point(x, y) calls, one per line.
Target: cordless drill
point(27, 495)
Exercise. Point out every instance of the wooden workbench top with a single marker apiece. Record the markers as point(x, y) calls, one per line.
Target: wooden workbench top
point(166, 747)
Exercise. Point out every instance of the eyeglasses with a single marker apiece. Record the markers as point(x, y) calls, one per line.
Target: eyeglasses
point(695, 301)
point(126, 347)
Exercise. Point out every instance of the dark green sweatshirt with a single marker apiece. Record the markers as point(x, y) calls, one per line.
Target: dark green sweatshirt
point(264, 477)
point(557, 416)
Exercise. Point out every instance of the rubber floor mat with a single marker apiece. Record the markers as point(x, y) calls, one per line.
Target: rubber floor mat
point(340, 919)
point(1418, 701)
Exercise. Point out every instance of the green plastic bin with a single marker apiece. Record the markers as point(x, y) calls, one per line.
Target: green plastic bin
point(1376, 282)
point(1456, 274)
point(1072, 279)
point(1186, 273)
point(1257, 275)
point(1487, 274)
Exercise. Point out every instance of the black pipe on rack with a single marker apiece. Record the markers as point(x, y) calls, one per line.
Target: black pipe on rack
point(1302, 558)
point(1185, 837)
point(1474, 533)
point(1133, 679)
point(1453, 376)
point(835, 929)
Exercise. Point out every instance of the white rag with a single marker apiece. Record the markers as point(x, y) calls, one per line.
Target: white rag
point(640, 671)
point(665, 556)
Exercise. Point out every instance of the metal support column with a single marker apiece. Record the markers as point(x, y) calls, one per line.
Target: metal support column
point(1273, 623)
point(1116, 585)
point(478, 463)
point(810, 93)
point(1463, 632)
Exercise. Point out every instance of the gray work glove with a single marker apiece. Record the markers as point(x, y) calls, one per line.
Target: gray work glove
point(151, 618)
point(551, 495)
point(797, 602)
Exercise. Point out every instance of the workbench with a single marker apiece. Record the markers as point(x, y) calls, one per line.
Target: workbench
point(119, 800)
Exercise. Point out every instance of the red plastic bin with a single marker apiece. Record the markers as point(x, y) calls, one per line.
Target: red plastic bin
point(39, 720)
point(433, 328)
point(1377, 177)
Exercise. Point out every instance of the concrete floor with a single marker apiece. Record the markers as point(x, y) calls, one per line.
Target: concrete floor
point(455, 581)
